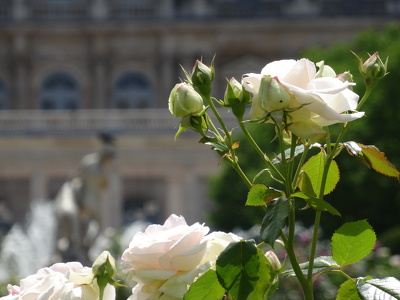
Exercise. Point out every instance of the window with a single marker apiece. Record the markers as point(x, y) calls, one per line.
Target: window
point(132, 90)
point(59, 91)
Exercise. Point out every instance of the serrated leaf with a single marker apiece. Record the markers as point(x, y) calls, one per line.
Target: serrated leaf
point(298, 150)
point(237, 269)
point(261, 194)
point(348, 291)
point(207, 287)
point(317, 204)
point(352, 242)
point(383, 289)
point(305, 184)
point(314, 168)
point(215, 144)
point(378, 161)
point(320, 263)
point(274, 220)
point(265, 275)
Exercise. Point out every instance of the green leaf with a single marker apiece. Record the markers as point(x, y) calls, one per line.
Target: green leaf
point(320, 263)
point(260, 194)
point(317, 204)
point(238, 269)
point(385, 289)
point(215, 144)
point(314, 168)
point(265, 275)
point(207, 287)
point(352, 242)
point(274, 220)
point(348, 291)
point(377, 160)
point(305, 184)
point(298, 150)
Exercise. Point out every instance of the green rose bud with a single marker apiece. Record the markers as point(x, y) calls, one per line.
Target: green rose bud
point(201, 74)
point(273, 260)
point(272, 94)
point(104, 265)
point(202, 77)
point(184, 101)
point(235, 93)
point(373, 68)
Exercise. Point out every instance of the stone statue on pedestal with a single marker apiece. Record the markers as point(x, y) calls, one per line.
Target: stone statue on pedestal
point(78, 204)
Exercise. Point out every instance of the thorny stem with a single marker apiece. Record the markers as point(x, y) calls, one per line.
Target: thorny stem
point(289, 241)
point(328, 161)
point(258, 150)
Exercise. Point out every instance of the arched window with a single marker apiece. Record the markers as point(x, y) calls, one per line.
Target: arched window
point(132, 90)
point(59, 91)
point(3, 95)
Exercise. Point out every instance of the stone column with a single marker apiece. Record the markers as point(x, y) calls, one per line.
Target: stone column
point(174, 200)
point(167, 9)
point(98, 60)
point(20, 66)
point(99, 10)
point(19, 10)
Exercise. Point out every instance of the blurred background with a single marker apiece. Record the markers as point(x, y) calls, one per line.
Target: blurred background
point(71, 69)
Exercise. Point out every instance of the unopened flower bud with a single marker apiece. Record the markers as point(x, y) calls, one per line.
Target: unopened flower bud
point(184, 101)
point(235, 93)
point(345, 76)
point(202, 76)
point(373, 68)
point(272, 94)
point(273, 260)
point(104, 265)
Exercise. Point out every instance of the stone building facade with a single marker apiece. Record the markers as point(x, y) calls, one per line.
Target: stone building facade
point(72, 68)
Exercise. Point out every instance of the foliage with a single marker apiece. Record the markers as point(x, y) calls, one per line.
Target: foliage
point(301, 103)
point(379, 127)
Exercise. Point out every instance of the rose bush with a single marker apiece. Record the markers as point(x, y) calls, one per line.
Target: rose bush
point(61, 281)
point(166, 259)
point(317, 98)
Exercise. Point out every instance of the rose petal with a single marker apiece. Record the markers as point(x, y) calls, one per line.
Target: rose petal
point(190, 259)
point(300, 75)
point(251, 82)
point(279, 68)
point(142, 261)
point(151, 275)
point(342, 119)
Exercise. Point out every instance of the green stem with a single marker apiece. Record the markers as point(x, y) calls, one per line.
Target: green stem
point(305, 284)
point(365, 97)
point(291, 161)
point(258, 150)
point(207, 99)
point(300, 164)
point(239, 170)
point(289, 241)
point(327, 164)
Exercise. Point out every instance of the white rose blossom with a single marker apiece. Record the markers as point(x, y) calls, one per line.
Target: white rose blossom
point(61, 281)
point(166, 259)
point(323, 98)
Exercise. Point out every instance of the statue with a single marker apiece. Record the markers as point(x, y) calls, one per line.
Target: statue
point(78, 204)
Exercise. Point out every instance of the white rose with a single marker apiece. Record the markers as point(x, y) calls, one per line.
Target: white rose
point(167, 259)
point(325, 98)
point(70, 281)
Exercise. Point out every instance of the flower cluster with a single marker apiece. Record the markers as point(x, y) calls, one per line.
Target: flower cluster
point(166, 259)
point(312, 98)
point(61, 281)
